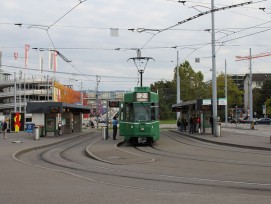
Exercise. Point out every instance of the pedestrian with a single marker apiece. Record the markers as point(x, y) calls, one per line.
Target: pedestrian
point(92, 124)
point(191, 126)
point(199, 124)
point(59, 128)
point(184, 123)
point(194, 123)
point(4, 129)
point(212, 122)
point(115, 127)
point(179, 124)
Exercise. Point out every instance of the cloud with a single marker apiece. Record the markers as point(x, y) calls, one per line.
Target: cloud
point(83, 36)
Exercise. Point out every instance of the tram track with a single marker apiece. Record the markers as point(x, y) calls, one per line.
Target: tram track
point(196, 144)
point(208, 145)
point(95, 171)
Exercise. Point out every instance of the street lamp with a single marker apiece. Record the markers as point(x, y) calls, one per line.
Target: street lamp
point(140, 60)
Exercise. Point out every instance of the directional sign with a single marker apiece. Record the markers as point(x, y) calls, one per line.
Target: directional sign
point(206, 102)
point(222, 101)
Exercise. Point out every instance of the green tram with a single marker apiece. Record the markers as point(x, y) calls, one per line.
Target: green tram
point(138, 119)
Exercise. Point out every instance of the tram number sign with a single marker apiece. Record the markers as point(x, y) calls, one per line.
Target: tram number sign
point(142, 97)
point(113, 104)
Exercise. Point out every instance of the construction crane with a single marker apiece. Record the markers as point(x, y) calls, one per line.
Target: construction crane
point(250, 57)
point(240, 58)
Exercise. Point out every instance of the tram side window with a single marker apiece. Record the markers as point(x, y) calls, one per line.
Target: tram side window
point(154, 111)
point(128, 112)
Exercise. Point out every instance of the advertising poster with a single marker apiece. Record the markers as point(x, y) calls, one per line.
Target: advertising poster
point(17, 122)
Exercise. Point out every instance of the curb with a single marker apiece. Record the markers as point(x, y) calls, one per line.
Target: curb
point(223, 143)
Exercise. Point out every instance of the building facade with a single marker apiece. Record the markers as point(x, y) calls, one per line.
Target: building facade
point(257, 82)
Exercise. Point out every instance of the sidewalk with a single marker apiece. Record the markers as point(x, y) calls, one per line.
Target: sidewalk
point(240, 136)
point(17, 141)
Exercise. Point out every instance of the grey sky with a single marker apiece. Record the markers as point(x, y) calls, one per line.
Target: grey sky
point(83, 36)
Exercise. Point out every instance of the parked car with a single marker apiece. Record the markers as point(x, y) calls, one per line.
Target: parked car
point(266, 121)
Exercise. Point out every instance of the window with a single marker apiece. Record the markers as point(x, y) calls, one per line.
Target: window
point(128, 112)
point(142, 111)
point(154, 111)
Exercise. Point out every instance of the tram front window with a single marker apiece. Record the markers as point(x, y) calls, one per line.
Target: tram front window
point(141, 112)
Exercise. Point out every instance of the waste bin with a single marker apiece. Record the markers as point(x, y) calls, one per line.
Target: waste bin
point(29, 127)
point(36, 133)
point(218, 129)
point(104, 132)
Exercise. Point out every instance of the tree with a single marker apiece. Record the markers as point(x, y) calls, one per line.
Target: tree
point(268, 106)
point(257, 102)
point(234, 94)
point(191, 82)
point(167, 97)
point(261, 97)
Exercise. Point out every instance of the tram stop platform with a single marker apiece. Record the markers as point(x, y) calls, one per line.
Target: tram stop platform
point(235, 135)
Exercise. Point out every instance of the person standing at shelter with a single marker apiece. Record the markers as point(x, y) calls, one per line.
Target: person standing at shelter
point(191, 125)
point(179, 124)
point(199, 124)
point(115, 127)
point(184, 123)
point(194, 123)
point(59, 128)
point(212, 124)
point(5, 129)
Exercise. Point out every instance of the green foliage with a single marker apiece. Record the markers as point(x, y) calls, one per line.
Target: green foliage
point(167, 96)
point(268, 106)
point(191, 87)
point(261, 97)
point(257, 102)
point(191, 82)
point(234, 94)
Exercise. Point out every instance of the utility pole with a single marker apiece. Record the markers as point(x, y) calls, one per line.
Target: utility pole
point(25, 103)
point(47, 88)
point(250, 92)
point(81, 87)
point(178, 84)
point(214, 88)
point(97, 109)
point(226, 94)
point(15, 96)
point(250, 57)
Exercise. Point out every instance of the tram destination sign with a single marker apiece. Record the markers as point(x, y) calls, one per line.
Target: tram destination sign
point(142, 97)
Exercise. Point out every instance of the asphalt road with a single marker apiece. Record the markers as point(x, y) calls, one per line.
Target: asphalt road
point(177, 169)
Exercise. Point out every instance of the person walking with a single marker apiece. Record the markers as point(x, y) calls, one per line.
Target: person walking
point(115, 127)
point(5, 129)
